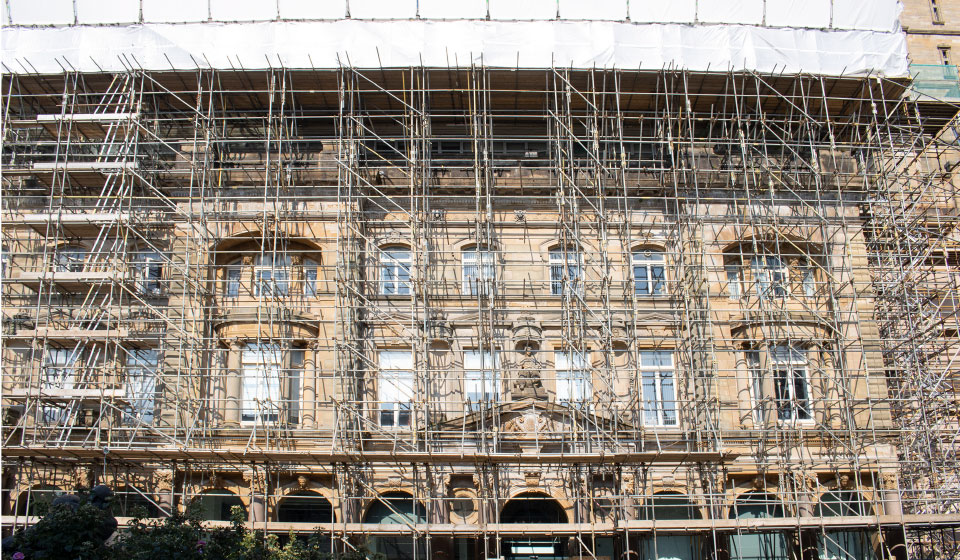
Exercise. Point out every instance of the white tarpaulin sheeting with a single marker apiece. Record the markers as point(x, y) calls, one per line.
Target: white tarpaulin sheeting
point(534, 44)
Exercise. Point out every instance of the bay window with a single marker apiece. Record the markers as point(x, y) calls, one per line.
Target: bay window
point(271, 275)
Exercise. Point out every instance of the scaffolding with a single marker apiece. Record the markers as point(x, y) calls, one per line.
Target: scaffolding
point(473, 311)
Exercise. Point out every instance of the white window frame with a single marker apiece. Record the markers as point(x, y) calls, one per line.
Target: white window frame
point(481, 376)
point(648, 263)
point(660, 408)
point(271, 275)
point(734, 273)
point(70, 259)
point(311, 272)
point(59, 372)
point(395, 267)
point(574, 381)
point(148, 271)
point(790, 361)
point(479, 271)
point(566, 272)
point(395, 389)
point(140, 386)
point(262, 373)
point(233, 278)
point(771, 276)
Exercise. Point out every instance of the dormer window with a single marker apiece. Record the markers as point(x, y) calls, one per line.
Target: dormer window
point(395, 271)
point(271, 275)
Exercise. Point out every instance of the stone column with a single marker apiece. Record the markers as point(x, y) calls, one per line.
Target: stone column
point(891, 495)
point(308, 408)
point(258, 502)
point(234, 386)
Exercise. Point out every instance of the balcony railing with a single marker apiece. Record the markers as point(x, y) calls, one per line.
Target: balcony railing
point(935, 82)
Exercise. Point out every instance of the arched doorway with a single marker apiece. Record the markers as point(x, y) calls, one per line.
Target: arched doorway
point(669, 506)
point(539, 508)
point(771, 545)
point(844, 544)
point(216, 504)
point(127, 502)
point(397, 508)
point(305, 506)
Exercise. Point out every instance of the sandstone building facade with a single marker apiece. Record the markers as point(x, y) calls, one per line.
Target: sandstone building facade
point(476, 311)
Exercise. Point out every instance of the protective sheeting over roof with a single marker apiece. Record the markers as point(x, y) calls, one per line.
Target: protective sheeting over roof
point(830, 37)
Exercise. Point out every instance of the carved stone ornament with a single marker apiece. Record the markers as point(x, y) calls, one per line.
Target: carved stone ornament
point(303, 482)
point(163, 480)
point(529, 424)
point(759, 483)
point(889, 482)
point(531, 478)
point(257, 480)
point(527, 384)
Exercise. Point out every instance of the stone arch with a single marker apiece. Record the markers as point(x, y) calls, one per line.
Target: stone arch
point(36, 499)
point(216, 503)
point(305, 506)
point(394, 507)
point(533, 506)
point(127, 502)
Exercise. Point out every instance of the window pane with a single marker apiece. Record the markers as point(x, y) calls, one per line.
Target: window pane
point(657, 277)
point(641, 285)
point(800, 394)
point(141, 386)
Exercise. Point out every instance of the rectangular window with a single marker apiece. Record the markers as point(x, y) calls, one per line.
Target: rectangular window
point(566, 273)
point(310, 268)
point(395, 388)
point(271, 275)
point(148, 271)
point(395, 272)
point(769, 275)
point(659, 388)
point(935, 12)
point(293, 375)
point(141, 386)
point(808, 281)
point(481, 379)
point(734, 280)
point(789, 365)
point(262, 366)
point(70, 259)
point(478, 272)
point(648, 274)
point(573, 377)
point(233, 279)
point(59, 374)
point(945, 58)
point(756, 385)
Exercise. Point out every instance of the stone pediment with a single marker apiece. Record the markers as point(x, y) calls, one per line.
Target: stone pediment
point(534, 419)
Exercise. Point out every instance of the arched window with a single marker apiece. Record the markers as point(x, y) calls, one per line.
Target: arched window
point(844, 544)
point(397, 508)
point(37, 500)
point(566, 272)
point(128, 502)
point(649, 278)
point(305, 506)
point(216, 504)
point(479, 271)
point(532, 507)
point(758, 546)
point(674, 507)
point(395, 266)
